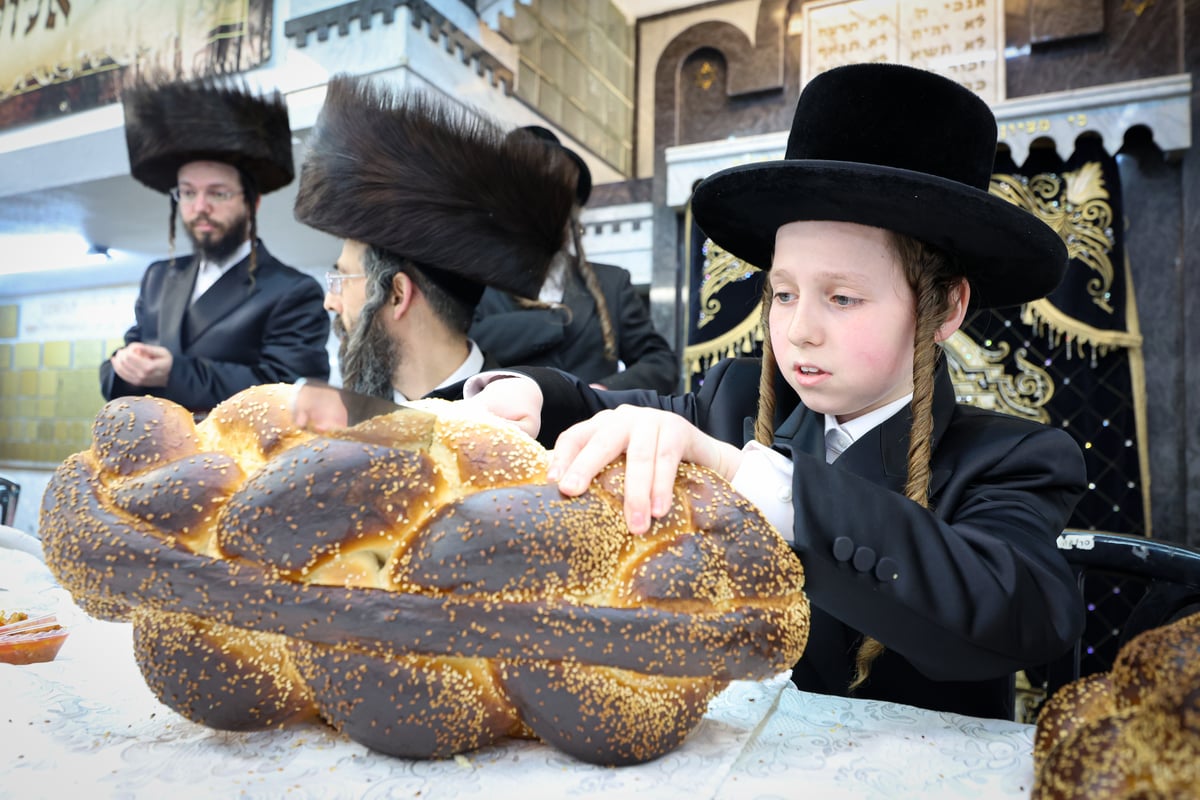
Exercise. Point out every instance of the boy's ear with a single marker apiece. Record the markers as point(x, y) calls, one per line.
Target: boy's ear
point(960, 297)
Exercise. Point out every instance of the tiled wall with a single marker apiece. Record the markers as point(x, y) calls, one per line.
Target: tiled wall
point(576, 67)
point(49, 393)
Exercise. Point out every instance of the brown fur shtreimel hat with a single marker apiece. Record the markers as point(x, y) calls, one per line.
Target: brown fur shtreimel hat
point(169, 124)
point(892, 147)
point(436, 183)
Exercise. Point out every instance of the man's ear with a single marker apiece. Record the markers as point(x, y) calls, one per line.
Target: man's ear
point(960, 297)
point(403, 290)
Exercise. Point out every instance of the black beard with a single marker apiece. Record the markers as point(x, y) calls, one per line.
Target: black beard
point(368, 357)
point(220, 249)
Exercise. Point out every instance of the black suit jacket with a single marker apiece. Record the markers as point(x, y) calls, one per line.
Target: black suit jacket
point(962, 594)
point(550, 337)
point(238, 334)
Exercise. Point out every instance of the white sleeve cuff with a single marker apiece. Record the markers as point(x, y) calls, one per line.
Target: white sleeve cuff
point(765, 479)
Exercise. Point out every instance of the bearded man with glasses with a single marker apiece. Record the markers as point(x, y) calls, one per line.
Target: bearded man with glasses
point(230, 315)
point(433, 203)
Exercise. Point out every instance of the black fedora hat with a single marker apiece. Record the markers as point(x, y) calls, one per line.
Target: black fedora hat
point(893, 147)
point(583, 189)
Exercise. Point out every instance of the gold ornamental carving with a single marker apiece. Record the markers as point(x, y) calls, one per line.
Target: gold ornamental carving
point(721, 268)
point(980, 379)
point(1136, 6)
point(1076, 206)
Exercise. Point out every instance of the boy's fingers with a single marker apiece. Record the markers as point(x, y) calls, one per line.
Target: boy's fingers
point(595, 455)
point(566, 447)
point(579, 454)
point(640, 463)
point(666, 467)
point(653, 449)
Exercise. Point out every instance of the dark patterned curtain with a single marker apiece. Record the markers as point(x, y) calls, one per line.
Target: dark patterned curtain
point(1084, 336)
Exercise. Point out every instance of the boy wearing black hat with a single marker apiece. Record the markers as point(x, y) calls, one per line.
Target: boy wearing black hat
point(434, 204)
point(927, 529)
point(230, 315)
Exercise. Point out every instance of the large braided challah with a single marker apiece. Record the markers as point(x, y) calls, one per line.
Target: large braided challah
point(413, 580)
point(1131, 732)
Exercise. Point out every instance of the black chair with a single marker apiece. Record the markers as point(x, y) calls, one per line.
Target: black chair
point(9, 494)
point(1130, 584)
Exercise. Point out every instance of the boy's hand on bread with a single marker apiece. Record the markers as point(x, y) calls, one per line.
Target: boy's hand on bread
point(654, 443)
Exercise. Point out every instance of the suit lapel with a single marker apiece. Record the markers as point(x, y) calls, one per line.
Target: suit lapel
point(803, 431)
point(881, 455)
point(230, 291)
point(577, 297)
point(177, 293)
point(490, 364)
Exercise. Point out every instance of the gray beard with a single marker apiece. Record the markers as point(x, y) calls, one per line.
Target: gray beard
point(368, 357)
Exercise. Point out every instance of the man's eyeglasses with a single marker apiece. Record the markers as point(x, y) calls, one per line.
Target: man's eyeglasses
point(215, 197)
point(334, 280)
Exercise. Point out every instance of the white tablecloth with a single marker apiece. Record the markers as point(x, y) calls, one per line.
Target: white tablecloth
point(86, 725)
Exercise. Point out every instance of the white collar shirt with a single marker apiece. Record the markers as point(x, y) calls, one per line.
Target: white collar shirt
point(840, 436)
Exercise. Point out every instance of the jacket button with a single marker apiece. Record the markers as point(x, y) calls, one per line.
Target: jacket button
point(843, 548)
point(887, 569)
point(864, 559)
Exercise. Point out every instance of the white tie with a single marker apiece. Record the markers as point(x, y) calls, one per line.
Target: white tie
point(836, 440)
